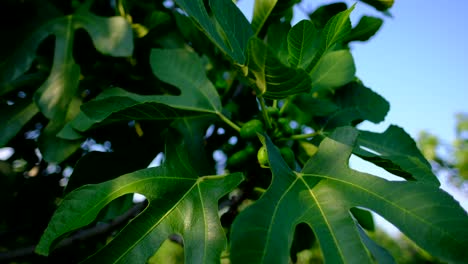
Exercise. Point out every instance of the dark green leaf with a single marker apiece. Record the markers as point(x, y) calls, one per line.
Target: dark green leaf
point(356, 103)
point(271, 78)
point(13, 118)
point(234, 32)
point(365, 29)
point(180, 202)
point(324, 13)
point(395, 151)
point(277, 35)
point(364, 218)
point(180, 68)
point(380, 254)
point(381, 5)
point(303, 44)
point(322, 195)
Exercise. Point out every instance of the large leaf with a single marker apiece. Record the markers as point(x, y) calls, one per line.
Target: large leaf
point(322, 196)
point(234, 32)
point(271, 78)
point(55, 98)
point(395, 151)
point(180, 203)
point(335, 69)
point(180, 68)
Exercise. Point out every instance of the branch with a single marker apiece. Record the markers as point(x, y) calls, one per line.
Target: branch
point(79, 236)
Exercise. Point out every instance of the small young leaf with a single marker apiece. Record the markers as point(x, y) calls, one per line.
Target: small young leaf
point(381, 5)
point(365, 29)
point(271, 78)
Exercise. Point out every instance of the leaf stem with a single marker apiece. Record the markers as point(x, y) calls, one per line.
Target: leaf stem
point(265, 112)
point(285, 106)
point(228, 121)
point(304, 136)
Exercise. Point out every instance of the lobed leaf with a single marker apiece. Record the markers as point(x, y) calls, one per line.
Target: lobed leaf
point(381, 5)
point(322, 194)
point(395, 151)
point(180, 203)
point(13, 119)
point(180, 68)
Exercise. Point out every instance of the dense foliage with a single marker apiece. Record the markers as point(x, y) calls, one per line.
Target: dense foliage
point(255, 124)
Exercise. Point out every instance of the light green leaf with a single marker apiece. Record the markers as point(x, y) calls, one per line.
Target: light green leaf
point(303, 43)
point(335, 69)
point(365, 29)
point(322, 196)
point(271, 78)
point(234, 32)
point(13, 118)
point(261, 12)
point(395, 151)
point(336, 29)
point(180, 203)
point(180, 68)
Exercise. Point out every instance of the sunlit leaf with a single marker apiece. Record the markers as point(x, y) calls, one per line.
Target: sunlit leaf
point(322, 194)
point(180, 202)
point(335, 69)
point(395, 151)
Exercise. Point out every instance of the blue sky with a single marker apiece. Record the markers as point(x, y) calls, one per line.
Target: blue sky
point(418, 61)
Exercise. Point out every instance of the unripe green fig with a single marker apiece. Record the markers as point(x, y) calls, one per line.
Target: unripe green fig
point(273, 111)
point(262, 157)
point(250, 129)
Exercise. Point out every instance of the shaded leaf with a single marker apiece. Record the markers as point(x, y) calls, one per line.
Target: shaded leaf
point(190, 209)
point(303, 42)
point(395, 151)
point(271, 78)
point(180, 68)
point(322, 195)
point(335, 69)
point(13, 118)
point(277, 35)
point(324, 13)
point(380, 254)
point(356, 103)
point(234, 31)
point(365, 29)
point(381, 5)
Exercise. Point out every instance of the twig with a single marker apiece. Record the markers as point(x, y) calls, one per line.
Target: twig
point(79, 236)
